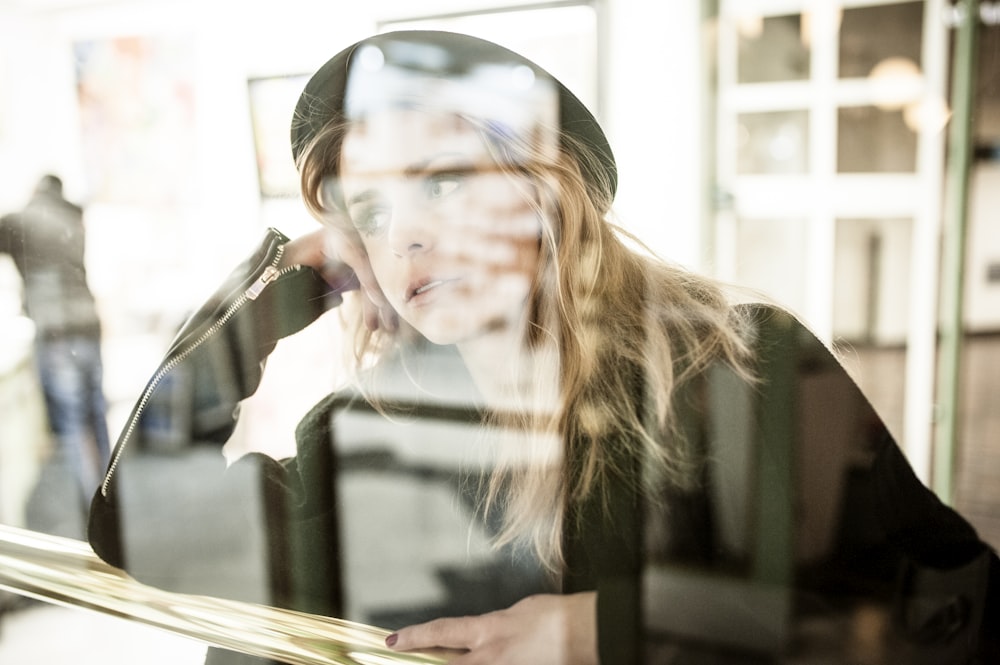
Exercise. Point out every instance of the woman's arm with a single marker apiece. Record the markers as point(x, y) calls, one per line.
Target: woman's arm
point(271, 295)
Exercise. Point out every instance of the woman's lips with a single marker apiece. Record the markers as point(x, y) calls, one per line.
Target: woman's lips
point(426, 286)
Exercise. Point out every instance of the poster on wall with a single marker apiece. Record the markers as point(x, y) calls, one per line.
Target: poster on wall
point(137, 118)
point(272, 103)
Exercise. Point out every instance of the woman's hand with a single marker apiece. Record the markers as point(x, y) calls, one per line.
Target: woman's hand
point(343, 263)
point(547, 629)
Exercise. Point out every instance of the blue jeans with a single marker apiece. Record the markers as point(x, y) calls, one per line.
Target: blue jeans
point(71, 375)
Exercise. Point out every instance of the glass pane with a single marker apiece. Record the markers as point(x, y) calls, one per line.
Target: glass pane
point(871, 307)
point(772, 49)
point(874, 140)
point(872, 35)
point(872, 264)
point(771, 258)
point(773, 142)
point(414, 547)
point(561, 39)
point(987, 96)
point(385, 507)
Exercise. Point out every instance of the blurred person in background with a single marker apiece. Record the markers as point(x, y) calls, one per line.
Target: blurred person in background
point(46, 240)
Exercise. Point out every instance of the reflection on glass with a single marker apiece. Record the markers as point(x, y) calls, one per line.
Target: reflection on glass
point(771, 258)
point(869, 35)
point(871, 307)
point(409, 490)
point(519, 342)
point(772, 48)
point(563, 39)
point(872, 265)
point(773, 142)
point(987, 94)
point(64, 570)
point(873, 140)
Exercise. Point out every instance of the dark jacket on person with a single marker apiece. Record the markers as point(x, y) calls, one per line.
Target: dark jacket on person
point(46, 241)
point(802, 519)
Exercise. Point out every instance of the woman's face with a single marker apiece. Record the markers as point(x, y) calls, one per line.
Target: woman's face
point(453, 241)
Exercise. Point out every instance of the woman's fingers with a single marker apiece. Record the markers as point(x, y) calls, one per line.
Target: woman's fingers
point(306, 250)
point(454, 633)
point(538, 630)
point(343, 263)
point(377, 311)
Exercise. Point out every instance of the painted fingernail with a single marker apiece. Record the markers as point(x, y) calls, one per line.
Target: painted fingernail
point(391, 640)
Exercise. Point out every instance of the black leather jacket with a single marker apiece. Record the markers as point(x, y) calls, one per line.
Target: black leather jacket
point(803, 509)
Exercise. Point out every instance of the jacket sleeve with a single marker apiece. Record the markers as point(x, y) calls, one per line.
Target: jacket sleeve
point(133, 517)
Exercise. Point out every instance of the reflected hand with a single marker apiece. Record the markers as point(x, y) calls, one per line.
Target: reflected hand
point(341, 261)
point(542, 629)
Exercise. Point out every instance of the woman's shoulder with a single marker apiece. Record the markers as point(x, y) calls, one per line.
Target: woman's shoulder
point(778, 333)
point(763, 317)
point(761, 311)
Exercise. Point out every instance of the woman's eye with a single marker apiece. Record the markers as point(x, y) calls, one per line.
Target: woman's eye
point(370, 220)
point(442, 184)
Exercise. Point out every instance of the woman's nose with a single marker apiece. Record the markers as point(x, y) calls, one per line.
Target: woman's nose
point(411, 230)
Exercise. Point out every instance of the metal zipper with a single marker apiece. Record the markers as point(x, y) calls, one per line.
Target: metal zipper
point(270, 273)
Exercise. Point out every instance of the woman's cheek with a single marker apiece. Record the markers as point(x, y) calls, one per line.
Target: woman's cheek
point(385, 269)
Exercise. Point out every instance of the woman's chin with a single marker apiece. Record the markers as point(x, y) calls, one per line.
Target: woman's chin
point(463, 330)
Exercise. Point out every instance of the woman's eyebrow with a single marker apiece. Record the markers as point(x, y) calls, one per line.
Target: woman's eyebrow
point(428, 164)
point(418, 168)
point(363, 196)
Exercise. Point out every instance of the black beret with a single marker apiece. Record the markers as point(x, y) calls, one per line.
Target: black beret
point(322, 100)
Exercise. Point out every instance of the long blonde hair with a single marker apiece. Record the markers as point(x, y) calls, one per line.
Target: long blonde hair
point(626, 331)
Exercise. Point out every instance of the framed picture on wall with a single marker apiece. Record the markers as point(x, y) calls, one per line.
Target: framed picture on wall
point(272, 101)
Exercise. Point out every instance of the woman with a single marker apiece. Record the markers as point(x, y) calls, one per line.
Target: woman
point(464, 196)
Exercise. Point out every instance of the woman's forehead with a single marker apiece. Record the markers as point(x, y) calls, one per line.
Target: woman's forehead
point(400, 140)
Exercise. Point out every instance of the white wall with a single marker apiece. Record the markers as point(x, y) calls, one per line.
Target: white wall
point(150, 265)
point(655, 122)
point(650, 103)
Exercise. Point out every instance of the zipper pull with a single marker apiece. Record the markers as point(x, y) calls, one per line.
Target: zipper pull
point(269, 275)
